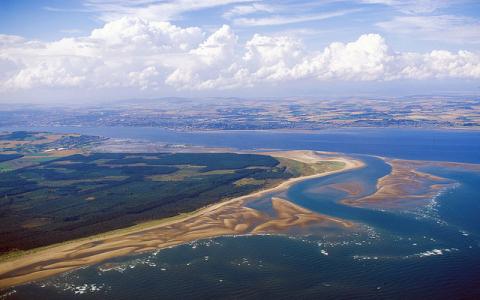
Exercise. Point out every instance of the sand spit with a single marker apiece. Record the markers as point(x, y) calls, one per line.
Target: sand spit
point(311, 157)
point(231, 217)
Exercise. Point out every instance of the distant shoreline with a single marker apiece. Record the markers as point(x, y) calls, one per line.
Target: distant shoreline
point(276, 130)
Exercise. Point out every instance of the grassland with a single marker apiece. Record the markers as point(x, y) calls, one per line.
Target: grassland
point(22, 149)
point(298, 168)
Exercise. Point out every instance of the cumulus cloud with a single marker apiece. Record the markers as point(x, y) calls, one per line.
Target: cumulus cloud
point(151, 55)
point(438, 64)
point(205, 65)
point(121, 53)
point(367, 58)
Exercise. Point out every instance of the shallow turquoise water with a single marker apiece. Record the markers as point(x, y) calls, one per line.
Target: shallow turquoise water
point(430, 251)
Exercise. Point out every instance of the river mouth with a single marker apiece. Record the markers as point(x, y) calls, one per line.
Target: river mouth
point(430, 249)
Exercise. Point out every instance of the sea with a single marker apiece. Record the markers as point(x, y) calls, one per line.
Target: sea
point(425, 251)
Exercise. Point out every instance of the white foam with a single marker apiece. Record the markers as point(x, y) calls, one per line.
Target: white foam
point(7, 294)
point(430, 210)
point(363, 257)
point(433, 252)
point(87, 288)
point(77, 289)
point(132, 264)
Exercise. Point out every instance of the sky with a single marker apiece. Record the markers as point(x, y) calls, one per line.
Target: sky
point(93, 50)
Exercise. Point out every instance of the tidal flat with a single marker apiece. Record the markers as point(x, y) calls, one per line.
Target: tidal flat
point(417, 248)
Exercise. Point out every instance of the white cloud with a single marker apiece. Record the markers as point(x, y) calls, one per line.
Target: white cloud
point(138, 34)
point(154, 10)
point(241, 10)
point(102, 59)
point(272, 58)
point(52, 72)
point(151, 56)
point(367, 58)
point(283, 19)
point(447, 28)
point(207, 63)
point(438, 64)
point(413, 6)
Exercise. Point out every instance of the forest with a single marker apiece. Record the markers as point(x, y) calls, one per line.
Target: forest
point(81, 195)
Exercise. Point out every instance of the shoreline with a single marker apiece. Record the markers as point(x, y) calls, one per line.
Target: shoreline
point(219, 219)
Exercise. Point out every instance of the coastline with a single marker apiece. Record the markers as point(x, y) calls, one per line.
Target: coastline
point(223, 218)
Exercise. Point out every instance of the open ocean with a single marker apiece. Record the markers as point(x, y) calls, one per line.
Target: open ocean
point(429, 251)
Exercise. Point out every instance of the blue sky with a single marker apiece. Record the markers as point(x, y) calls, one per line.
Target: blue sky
point(50, 20)
point(151, 48)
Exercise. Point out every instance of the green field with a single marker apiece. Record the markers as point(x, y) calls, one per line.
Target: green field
point(81, 195)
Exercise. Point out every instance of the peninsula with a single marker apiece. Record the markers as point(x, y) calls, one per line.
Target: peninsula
point(219, 216)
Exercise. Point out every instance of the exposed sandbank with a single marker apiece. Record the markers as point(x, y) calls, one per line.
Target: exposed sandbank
point(406, 182)
point(352, 188)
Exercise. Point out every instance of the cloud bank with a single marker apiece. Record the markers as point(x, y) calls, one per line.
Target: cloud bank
point(149, 55)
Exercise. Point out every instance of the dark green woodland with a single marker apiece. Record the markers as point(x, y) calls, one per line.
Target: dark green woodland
point(81, 195)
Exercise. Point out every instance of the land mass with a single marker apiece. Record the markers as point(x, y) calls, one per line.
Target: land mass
point(427, 111)
point(225, 218)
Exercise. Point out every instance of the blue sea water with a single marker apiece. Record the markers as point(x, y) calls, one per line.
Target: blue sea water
point(449, 145)
point(429, 251)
